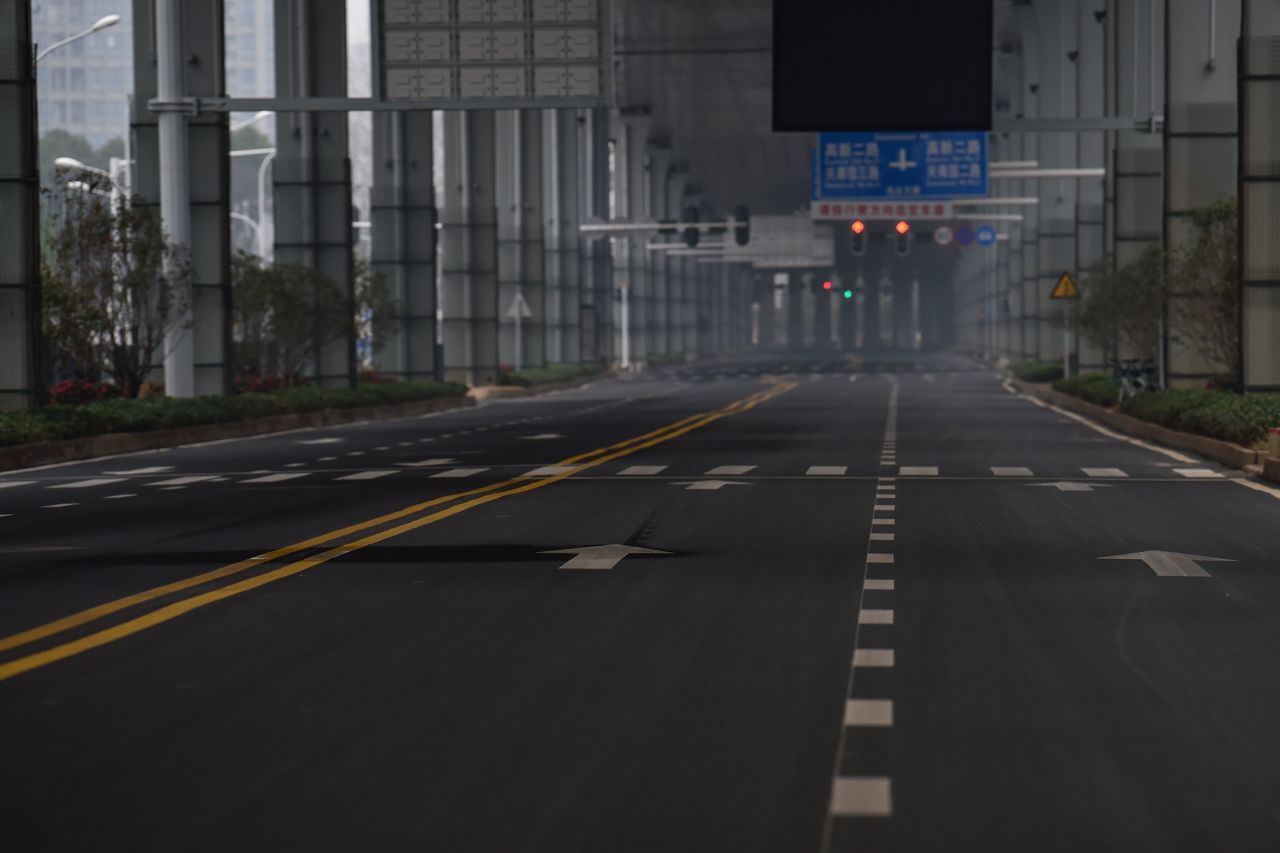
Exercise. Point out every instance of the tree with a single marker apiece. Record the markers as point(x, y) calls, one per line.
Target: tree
point(1205, 316)
point(113, 287)
point(376, 312)
point(281, 316)
point(1121, 311)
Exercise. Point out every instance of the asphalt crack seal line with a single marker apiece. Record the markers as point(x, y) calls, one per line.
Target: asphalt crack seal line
point(475, 498)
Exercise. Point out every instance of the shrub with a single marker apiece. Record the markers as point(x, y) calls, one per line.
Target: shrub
point(62, 421)
point(73, 391)
point(1242, 419)
point(1099, 388)
point(550, 373)
point(1037, 371)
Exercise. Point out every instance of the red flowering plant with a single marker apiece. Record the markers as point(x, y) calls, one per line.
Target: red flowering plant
point(75, 391)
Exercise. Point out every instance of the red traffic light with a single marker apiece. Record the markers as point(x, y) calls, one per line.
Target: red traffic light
point(858, 226)
point(826, 285)
point(902, 227)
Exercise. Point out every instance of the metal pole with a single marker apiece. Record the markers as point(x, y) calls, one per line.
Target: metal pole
point(625, 320)
point(175, 201)
point(264, 245)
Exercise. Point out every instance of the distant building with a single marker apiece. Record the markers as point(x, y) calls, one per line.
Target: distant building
point(84, 87)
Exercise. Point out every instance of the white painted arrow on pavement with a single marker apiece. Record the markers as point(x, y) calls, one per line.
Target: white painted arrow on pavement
point(601, 556)
point(1170, 564)
point(1071, 486)
point(707, 485)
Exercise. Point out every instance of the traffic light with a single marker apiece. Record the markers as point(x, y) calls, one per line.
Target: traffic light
point(691, 233)
point(859, 229)
point(902, 242)
point(827, 285)
point(848, 294)
point(742, 231)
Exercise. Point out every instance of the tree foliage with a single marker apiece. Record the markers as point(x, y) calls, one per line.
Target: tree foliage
point(114, 287)
point(1122, 307)
point(1203, 274)
point(283, 315)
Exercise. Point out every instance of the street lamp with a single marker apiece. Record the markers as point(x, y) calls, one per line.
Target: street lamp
point(72, 164)
point(258, 116)
point(101, 24)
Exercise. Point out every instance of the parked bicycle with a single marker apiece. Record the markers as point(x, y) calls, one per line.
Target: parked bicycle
point(1136, 376)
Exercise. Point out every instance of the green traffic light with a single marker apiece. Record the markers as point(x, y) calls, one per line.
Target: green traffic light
point(848, 294)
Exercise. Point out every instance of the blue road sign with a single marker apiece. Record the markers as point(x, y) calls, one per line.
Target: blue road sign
point(964, 235)
point(985, 235)
point(900, 166)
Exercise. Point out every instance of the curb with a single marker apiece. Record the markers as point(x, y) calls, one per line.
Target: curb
point(1223, 452)
point(113, 444)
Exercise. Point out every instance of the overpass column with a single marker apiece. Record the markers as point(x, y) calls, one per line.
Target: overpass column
point(1090, 65)
point(21, 379)
point(597, 275)
point(403, 212)
point(469, 248)
point(1028, 285)
point(312, 173)
point(1056, 228)
point(198, 361)
point(1200, 147)
point(629, 179)
point(659, 283)
point(1259, 195)
point(1138, 157)
point(561, 188)
point(521, 276)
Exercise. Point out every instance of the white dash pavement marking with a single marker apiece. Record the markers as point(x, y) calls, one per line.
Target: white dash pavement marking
point(454, 473)
point(882, 658)
point(1199, 473)
point(868, 712)
point(368, 475)
point(58, 506)
point(184, 481)
point(277, 478)
point(883, 508)
point(879, 558)
point(827, 470)
point(12, 484)
point(881, 537)
point(861, 796)
point(154, 469)
point(730, 470)
point(1011, 471)
point(1104, 472)
point(429, 463)
point(875, 617)
point(552, 470)
point(879, 584)
point(918, 471)
point(89, 484)
point(118, 497)
point(320, 441)
point(642, 470)
point(883, 522)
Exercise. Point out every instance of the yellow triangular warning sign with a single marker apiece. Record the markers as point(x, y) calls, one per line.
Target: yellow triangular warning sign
point(1065, 288)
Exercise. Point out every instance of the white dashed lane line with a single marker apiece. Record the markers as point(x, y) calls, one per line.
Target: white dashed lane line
point(89, 484)
point(368, 475)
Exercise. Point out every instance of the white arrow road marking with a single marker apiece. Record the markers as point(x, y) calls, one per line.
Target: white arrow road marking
point(319, 441)
point(601, 556)
point(542, 436)
point(1171, 564)
point(428, 463)
point(1070, 486)
point(707, 485)
point(156, 469)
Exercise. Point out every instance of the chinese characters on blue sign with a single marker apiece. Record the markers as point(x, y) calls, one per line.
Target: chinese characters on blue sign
point(900, 166)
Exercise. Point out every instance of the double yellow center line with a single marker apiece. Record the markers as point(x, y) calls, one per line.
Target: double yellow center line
point(452, 504)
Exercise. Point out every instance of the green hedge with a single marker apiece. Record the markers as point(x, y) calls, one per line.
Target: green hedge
point(551, 373)
point(1240, 418)
point(1099, 388)
point(1037, 371)
point(97, 418)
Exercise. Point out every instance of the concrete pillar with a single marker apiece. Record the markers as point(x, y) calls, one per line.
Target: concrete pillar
point(656, 177)
point(1028, 286)
point(597, 271)
point(403, 213)
point(677, 286)
point(202, 361)
point(521, 264)
point(21, 379)
point(1056, 234)
point(1090, 65)
point(1200, 148)
point(1139, 184)
point(562, 136)
point(1259, 195)
point(630, 185)
point(312, 173)
point(469, 248)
